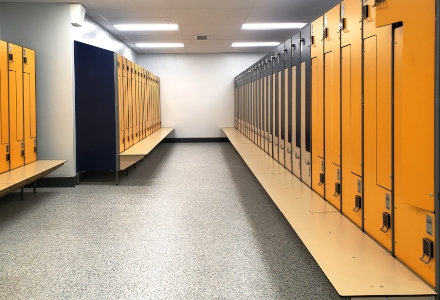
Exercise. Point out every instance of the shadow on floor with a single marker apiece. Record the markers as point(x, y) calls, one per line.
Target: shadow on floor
point(293, 269)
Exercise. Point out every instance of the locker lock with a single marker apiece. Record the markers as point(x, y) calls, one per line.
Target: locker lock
point(428, 251)
point(321, 179)
point(337, 189)
point(357, 203)
point(386, 222)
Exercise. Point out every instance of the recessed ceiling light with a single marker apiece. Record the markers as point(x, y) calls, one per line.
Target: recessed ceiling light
point(271, 26)
point(160, 45)
point(255, 44)
point(147, 27)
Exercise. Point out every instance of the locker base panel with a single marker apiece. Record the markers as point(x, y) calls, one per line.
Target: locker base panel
point(136, 152)
point(27, 174)
point(354, 263)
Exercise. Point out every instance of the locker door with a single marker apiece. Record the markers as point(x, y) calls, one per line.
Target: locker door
point(270, 99)
point(332, 107)
point(30, 110)
point(306, 171)
point(264, 112)
point(268, 145)
point(275, 109)
point(296, 105)
point(377, 95)
point(4, 108)
point(136, 83)
point(280, 96)
point(351, 109)
point(287, 105)
point(280, 117)
point(317, 109)
point(16, 109)
point(128, 106)
point(260, 107)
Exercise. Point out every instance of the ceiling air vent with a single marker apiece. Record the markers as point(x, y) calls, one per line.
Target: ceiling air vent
point(202, 37)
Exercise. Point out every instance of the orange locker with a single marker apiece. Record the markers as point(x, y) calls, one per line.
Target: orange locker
point(16, 106)
point(317, 86)
point(4, 108)
point(332, 118)
point(30, 106)
point(351, 106)
point(378, 120)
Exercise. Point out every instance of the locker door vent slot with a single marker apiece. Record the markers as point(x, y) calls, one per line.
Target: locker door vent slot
point(357, 203)
point(428, 251)
point(386, 222)
point(321, 179)
point(337, 189)
point(365, 12)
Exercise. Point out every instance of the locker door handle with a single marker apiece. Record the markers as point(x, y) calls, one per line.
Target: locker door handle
point(289, 150)
point(297, 155)
point(282, 146)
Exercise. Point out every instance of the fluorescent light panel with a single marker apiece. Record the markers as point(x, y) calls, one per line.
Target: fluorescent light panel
point(271, 26)
point(255, 44)
point(160, 45)
point(147, 27)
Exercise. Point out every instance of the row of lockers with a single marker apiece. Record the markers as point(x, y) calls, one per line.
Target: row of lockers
point(18, 125)
point(117, 104)
point(347, 105)
point(139, 102)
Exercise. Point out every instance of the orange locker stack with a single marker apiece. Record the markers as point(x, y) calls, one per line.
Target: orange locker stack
point(16, 106)
point(351, 109)
point(30, 106)
point(317, 55)
point(332, 116)
point(4, 106)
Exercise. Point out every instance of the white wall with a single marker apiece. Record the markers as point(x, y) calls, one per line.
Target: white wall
point(197, 90)
point(46, 28)
point(93, 34)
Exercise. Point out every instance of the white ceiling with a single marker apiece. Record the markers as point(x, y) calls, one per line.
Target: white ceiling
point(220, 20)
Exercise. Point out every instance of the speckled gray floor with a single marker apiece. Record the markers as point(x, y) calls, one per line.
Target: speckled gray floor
point(189, 222)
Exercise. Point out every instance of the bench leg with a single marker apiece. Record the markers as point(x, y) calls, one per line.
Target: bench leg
point(21, 193)
point(35, 187)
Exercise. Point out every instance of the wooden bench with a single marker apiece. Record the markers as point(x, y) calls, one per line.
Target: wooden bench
point(27, 174)
point(353, 262)
point(139, 150)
